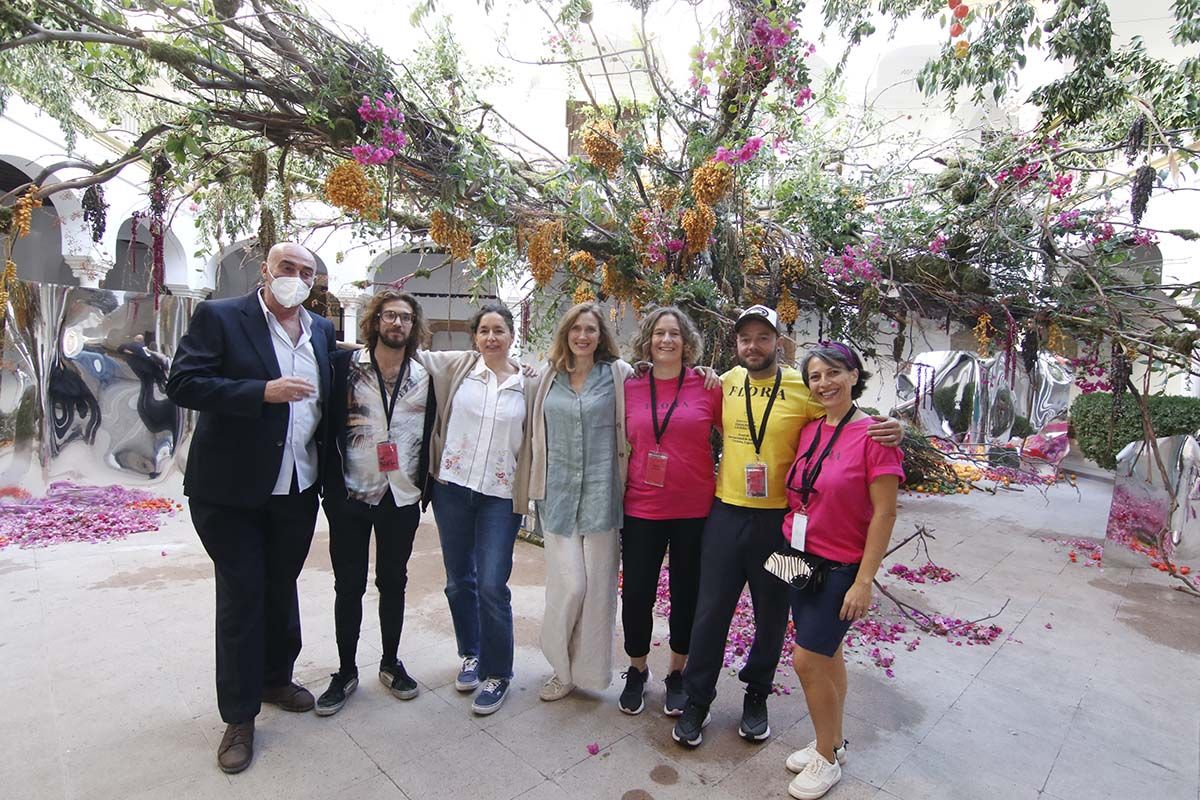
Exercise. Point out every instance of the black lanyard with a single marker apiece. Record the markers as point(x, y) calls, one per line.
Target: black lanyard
point(389, 408)
point(812, 470)
point(661, 432)
point(759, 436)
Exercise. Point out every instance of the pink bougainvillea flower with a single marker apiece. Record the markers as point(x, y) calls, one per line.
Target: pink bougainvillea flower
point(593, 748)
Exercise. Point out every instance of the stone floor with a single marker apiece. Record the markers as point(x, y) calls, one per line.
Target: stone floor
point(106, 683)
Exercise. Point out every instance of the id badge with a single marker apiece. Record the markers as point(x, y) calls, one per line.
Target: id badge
point(656, 469)
point(799, 530)
point(756, 480)
point(388, 458)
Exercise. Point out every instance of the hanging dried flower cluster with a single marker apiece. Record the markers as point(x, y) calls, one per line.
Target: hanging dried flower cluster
point(698, 224)
point(983, 333)
point(22, 217)
point(95, 211)
point(753, 239)
point(711, 181)
point(600, 144)
point(10, 275)
point(791, 268)
point(451, 233)
point(547, 250)
point(668, 198)
point(786, 308)
point(1055, 342)
point(582, 264)
point(348, 188)
point(584, 293)
point(615, 284)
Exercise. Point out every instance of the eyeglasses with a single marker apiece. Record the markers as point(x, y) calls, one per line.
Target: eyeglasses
point(392, 317)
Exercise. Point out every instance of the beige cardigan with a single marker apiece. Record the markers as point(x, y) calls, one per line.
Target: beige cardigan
point(530, 482)
point(447, 370)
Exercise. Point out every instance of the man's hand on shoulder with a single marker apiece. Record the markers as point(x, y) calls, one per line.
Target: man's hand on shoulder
point(887, 431)
point(287, 390)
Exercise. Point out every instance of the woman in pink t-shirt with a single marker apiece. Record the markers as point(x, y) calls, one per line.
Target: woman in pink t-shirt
point(669, 491)
point(842, 505)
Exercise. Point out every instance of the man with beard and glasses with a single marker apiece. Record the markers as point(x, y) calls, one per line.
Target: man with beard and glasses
point(381, 417)
point(256, 368)
point(765, 405)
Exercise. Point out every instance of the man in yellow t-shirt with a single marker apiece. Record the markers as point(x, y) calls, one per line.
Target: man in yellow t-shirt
point(746, 524)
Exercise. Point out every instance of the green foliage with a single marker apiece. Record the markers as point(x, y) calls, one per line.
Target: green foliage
point(1101, 434)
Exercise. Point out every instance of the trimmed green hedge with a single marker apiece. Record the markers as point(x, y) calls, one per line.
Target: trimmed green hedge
point(1092, 421)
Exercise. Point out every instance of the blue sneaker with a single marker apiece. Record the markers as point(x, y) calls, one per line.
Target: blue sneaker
point(468, 676)
point(491, 696)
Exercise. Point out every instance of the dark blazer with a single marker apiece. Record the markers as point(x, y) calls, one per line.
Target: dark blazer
point(221, 369)
point(333, 479)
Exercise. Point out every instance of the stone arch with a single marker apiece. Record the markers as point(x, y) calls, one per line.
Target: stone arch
point(131, 261)
point(56, 230)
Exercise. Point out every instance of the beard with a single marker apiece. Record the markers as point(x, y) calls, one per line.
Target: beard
point(394, 339)
point(758, 363)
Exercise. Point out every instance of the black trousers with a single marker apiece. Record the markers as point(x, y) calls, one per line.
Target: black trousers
point(257, 556)
point(736, 542)
point(350, 525)
point(644, 542)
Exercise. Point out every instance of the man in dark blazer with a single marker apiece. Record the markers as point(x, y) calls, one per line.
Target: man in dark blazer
point(257, 370)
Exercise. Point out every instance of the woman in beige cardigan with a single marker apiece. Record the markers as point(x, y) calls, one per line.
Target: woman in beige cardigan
point(572, 472)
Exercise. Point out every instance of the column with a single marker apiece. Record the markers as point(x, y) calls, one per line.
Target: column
point(87, 269)
point(352, 299)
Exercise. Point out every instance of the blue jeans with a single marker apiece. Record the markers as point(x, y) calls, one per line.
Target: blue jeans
point(478, 532)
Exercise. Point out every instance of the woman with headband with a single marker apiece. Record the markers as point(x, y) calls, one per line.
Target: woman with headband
point(842, 505)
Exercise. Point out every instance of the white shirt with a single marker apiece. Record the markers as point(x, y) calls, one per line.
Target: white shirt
point(483, 438)
point(297, 361)
point(366, 427)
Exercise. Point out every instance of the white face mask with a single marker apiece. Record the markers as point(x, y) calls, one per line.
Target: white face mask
point(289, 291)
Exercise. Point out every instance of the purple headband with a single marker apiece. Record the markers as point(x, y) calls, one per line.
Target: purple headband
point(851, 357)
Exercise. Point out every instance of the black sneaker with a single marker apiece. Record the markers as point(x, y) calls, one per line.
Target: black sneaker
point(333, 698)
point(676, 699)
point(398, 681)
point(633, 698)
point(689, 729)
point(754, 716)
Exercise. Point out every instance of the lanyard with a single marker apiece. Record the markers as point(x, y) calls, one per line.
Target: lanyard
point(661, 432)
point(760, 435)
point(389, 408)
point(812, 470)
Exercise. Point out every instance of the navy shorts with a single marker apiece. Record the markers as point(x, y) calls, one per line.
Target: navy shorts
point(816, 610)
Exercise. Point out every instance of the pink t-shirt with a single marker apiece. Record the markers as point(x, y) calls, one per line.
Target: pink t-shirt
point(687, 492)
point(839, 508)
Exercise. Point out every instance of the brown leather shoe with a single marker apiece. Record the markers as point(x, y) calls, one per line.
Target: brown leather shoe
point(292, 697)
point(237, 747)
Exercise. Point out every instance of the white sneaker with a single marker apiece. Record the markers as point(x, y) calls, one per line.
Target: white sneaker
point(798, 760)
point(818, 777)
point(555, 689)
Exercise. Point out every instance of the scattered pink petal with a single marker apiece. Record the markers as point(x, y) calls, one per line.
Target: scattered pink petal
point(593, 748)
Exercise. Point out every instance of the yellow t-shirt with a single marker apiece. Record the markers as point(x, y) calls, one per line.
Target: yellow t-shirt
point(793, 409)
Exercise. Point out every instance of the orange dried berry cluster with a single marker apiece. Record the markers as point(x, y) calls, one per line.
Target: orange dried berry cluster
point(482, 259)
point(654, 151)
point(698, 224)
point(753, 239)
point(546, 250)
point(615, 284)
point(582, 264)
point(983, 333)
point(600, 144)
point(1055, 341)
point(711, 181)
point(668, 197)
point(791, 268)
point(22, 217)
point(584, 293)
point(348, 188)
point(640, 229)
point(786, 308)
point(452, 233)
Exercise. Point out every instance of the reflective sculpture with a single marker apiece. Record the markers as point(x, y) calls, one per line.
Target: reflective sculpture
point(957, 395)
point(1141, 503)
point(83, 385)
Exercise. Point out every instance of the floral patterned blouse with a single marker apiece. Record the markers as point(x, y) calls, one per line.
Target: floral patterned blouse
point(483, 437)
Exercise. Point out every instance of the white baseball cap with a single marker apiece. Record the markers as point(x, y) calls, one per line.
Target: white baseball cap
point(758, 312)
